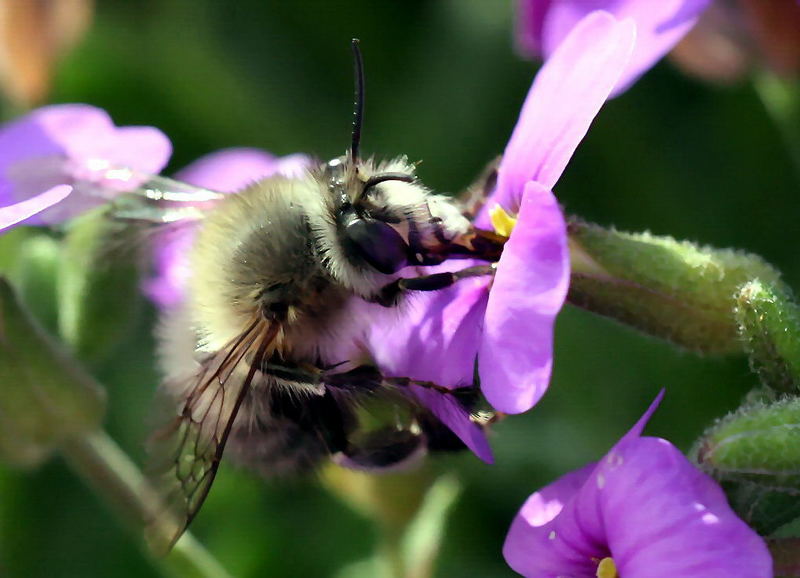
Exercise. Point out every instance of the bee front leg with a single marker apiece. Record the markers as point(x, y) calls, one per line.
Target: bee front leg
point(391, 293)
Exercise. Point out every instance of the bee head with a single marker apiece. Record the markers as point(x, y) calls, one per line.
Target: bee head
point(386, 219)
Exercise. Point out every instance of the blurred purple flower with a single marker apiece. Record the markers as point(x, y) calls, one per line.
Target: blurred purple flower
point(510, 328)
point(76, 145)
point(225, 171)
point(643, 511)
point(543, 24)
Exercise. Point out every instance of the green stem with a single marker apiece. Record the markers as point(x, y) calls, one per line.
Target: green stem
point(781, 99)
point(390, 553)
point(97, 459)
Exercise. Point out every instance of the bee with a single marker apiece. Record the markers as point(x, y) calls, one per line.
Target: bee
point(263, 359)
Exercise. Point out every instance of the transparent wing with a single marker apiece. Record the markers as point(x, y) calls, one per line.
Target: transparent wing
point(185, 454)
point(161, 200)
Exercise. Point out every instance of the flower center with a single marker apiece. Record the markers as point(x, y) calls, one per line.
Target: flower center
point(607, 569)
point(502, 221)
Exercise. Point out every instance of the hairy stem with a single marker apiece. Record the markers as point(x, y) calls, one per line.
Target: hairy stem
point(103, 465)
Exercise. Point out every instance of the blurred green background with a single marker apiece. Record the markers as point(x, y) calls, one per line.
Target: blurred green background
point(673, 156)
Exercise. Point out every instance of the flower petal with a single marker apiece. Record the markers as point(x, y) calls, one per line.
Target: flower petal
point(75, 144)
point(561, 104)
point(659, 27)
point(167, 286)
point(433, 336)
point(644, 505)
point(663, 517)
point(530, 547)
point(18, 212)
point(516, 349)
point(450, 413)
point(232, 169)
point(530, 16)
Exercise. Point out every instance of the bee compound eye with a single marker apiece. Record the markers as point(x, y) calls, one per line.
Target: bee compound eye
point(378, 244)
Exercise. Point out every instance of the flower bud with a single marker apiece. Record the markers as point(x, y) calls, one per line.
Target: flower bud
point(755, 454)
point(769, 324)
point(35, 277)
point(98, 293)
point(675, 290)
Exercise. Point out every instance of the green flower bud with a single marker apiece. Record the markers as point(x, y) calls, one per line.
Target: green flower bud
point(38, 262)
point(46, 397)
point(99, 298)
point(755, 454)
point(769, 324)
point(670, 289)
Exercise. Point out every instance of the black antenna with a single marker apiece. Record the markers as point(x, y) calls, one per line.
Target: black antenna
point(358, 104)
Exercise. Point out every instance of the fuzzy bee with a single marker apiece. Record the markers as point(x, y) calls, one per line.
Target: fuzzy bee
point(262, 360)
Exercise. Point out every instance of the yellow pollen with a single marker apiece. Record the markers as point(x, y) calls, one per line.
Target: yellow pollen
point(607, 569)
point(502, 222)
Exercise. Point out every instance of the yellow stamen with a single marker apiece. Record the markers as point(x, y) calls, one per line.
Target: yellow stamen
point(502, 222)
point(607, 569)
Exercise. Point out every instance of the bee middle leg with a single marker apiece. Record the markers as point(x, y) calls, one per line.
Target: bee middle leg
point(390, 294)
point(395, 443)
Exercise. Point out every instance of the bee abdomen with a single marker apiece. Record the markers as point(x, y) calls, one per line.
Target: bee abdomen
point(280, 433)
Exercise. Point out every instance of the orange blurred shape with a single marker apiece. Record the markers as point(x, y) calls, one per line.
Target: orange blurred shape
point(733, 36)
point(34, 35)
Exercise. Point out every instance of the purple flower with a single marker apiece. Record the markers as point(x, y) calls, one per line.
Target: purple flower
point(510, 328)
point(76, 145)
point(224, 171)
point(543, 24)
point(644, 511)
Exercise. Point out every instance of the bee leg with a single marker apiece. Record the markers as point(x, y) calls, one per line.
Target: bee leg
point(474, 197)
point(297, 376)
point(395, 447)
point(390, 294)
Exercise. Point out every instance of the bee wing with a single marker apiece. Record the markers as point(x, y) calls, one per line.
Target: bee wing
point(185, 454)
point(162, 200)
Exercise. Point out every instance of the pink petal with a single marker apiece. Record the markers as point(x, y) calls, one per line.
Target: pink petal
point(167, 286)
point(563, 100)
point(433, 336)
point(530, 16)
point(230, 170)
point(663, 517)
point(18, 212)
point(659, 27)
point(451, 414)
point(516, 349)
point(530, 548)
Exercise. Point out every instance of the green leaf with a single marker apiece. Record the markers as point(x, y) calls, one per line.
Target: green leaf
point(45, 397)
